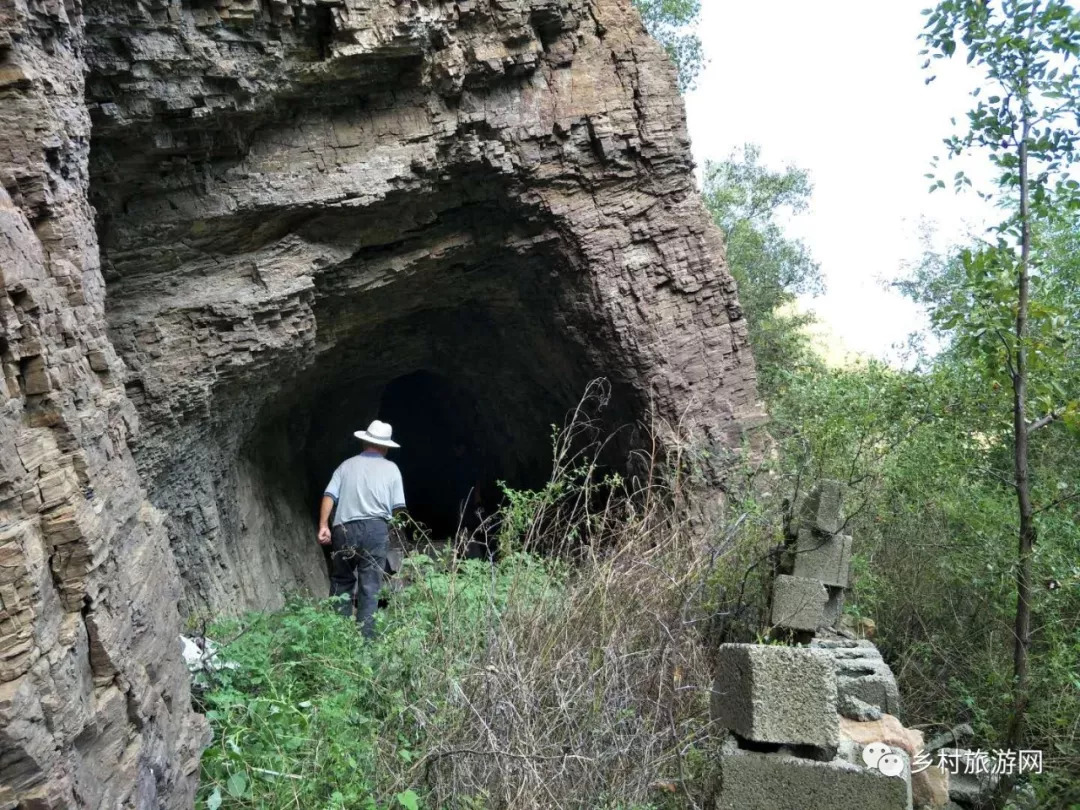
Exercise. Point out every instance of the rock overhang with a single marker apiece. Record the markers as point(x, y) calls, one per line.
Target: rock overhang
point(498, 194)
point(438, 188)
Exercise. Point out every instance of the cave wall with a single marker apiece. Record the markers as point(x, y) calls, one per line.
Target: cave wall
point(299, 198)
point(291, 204)
point(94, 706)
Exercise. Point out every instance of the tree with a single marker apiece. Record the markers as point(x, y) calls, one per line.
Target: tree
point(746, 201)
point(671, 22)
point(1004, 313)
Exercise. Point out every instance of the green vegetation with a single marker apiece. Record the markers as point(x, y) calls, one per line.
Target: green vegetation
point(579, 679)
point(311, 715)
point(933, 511)
point(929, 454)
point(672, 23)
point(961, 473)
point(1026, 130)
point(747, 201)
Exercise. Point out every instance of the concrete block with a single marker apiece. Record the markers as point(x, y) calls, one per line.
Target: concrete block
point(820, 509)
point(775, 694)
point(798, 604)
point(862, 673)
point(824, 557)
point(877, 690)
point(755, 781)
point(834, 608)
point(851, 708)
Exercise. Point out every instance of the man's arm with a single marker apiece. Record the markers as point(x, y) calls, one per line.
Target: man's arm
point(329, 499)
point(325, 508)
point(397, 494)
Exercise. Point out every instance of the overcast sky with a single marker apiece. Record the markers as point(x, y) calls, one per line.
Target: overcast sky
point(836, 87)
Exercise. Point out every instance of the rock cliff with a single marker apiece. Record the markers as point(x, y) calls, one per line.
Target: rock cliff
point(233, 231)
point(94, 705)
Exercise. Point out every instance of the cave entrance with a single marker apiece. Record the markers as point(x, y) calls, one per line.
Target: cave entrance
point(467, 327)
point(452, 453)
point(460, 438)
point(445, 458)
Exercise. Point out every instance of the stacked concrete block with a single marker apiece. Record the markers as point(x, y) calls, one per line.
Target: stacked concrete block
point(968, 786)
point(824, 557)
point(820, 509)
point(834, 607)
point(798, 604)
point(862, 676)
point(786, 750)
point(810, 595)
point(777, 781)
point(776, 694)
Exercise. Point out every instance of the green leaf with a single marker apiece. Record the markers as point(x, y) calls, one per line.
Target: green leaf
point(237, 784)
point(409, 800)
point(213, 801)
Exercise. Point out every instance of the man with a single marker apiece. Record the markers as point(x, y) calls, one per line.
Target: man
point(367, 491)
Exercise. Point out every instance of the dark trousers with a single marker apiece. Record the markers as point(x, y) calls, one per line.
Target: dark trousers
point(358, 551)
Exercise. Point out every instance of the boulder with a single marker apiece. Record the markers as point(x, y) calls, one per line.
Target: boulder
point(930, 789)
point(930, 786)
point(888, 730)
point(968, 785)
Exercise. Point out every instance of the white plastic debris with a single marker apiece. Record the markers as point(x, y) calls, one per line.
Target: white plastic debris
point(201, 655)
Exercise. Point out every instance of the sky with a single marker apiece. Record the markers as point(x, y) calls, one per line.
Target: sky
point(835, 87)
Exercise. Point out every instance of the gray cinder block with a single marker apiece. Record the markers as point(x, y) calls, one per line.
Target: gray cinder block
point(834, 608)
point(824, 557)
point(820, 509)
point(798, 604)
point(862, 673)
point(753, 781)
point(776, 694)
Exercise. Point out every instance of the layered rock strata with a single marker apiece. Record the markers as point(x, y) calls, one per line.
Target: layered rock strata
point(94, 705)
point(303, 203)
point(302, 206)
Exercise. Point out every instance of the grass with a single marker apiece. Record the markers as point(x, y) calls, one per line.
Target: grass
point(576, 679)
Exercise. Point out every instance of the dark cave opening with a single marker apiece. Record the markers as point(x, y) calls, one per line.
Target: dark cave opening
point(472, 393)
point(450, 471)
point(467, 329)
point(450, 458)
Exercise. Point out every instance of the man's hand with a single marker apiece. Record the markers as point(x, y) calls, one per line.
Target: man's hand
point(324, 535)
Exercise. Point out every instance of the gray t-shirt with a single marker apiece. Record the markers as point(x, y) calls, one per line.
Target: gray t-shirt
point(366, 486)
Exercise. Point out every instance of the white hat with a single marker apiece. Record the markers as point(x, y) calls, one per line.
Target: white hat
point(377, 433)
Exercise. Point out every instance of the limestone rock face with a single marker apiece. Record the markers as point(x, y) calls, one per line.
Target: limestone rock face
point(94, 705)
point(232, 232)
point(305, 205)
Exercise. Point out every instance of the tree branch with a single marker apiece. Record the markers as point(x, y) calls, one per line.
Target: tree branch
point(1008, 355)
point(1043, 421)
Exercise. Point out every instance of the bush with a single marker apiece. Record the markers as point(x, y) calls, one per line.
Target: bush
point(933, 515)
point(312, 716)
